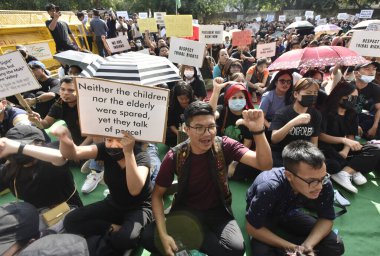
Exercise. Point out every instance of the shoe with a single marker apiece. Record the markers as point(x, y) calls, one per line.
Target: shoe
point(86, 167)
point(344, 179)
point(92, 181)
point(358, 178)
point(338, 197)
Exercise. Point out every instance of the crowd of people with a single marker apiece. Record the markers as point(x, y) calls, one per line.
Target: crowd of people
point(304, 132)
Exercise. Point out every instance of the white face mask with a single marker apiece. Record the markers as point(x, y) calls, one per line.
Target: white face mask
point(188, 73)
point(367, 79)
point(236, 104)
point(138, 44)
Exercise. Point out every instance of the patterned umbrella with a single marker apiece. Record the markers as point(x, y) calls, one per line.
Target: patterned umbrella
point(364, 24)
point(327, 28)
point(134, 68)
point(317, 57)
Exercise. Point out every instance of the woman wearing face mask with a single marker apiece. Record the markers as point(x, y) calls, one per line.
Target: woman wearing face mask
point(346, 158)
point(190, 76)
point(236, 99)
point(113, 225)
point(182, 96)
point(223, 57)
point(139, 45)
point(299, 121)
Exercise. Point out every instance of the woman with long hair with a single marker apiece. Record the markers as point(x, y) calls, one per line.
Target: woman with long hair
point(346, 158)
point(190, 75)
point(223, 57)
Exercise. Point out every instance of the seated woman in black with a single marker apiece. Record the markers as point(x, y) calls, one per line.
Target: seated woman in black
point(34, 173)
point(182, 95)
point(190, 75)
point(299, 121)
point(236, 99)
point(112, 225)
point(346, 158)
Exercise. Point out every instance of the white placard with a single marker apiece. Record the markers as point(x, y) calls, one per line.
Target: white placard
point(322, 22)
point(343, 16)
point(41, 51)
point(298, 18)
point(282, 18)
point(107, 108)
point(211, 34)
point(118, 44)
point(366, 14)
point(266, 50)
point(143, 15)
point(159, 16)
point(309, 14)
point(270, 17)
point(15, 75)
point(188, 52)
point(258, 19)
point(357, 15)
point(318, 17)
point(366, 43)
point(122, 14)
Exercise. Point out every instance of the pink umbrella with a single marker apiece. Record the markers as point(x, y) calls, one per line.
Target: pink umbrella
point(317, 57)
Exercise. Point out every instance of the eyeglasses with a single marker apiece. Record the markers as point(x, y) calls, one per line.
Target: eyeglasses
point(200, 130)
point(314, 183)
point(283, 81)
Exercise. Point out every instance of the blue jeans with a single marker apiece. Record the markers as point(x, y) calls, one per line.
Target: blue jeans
point(155, 162)
point(95, 166)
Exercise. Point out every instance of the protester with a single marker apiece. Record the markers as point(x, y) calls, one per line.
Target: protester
point(299, 121)
point(347, 159)
point(100, 29)
point(257, 78)
point(59, 30)
point(190, 75)
point(110, 19)
point(245, 57)
point(274, 200)
point(25, 54)
point(113, 225)
point(223, 57)
point(10, 117)
point(84, 19)
point(204, 195)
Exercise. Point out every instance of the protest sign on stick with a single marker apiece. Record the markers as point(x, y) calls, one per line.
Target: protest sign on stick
point(179, 25)
point(211, 34)
point(108, 108)
point(118, 44)
point(15, 75)
point(159, 16)
point(266, 50)
point(143, 15)
point(122, 14)
point(366, 14)
point(366, 43)
point(282, 18)
point(187, 52)
point(147, 24)
point(241, 38)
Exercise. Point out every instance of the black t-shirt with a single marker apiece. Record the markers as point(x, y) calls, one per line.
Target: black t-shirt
point(62, 110)
point(50, 85)
point(368, 97)
point(231, 130)
point(246, 63)
point(115, 178)
point(301, 132)
point(42, 184)
point(111, 24)
point(199, 88)
point(61, 36)
point(337, 125)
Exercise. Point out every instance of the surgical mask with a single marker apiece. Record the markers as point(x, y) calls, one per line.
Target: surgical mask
point(188, 74)
point(116, 154)
point(367, 79)
point(349, 103)
point(138, 44)
point(308, 100)
point(237, 104)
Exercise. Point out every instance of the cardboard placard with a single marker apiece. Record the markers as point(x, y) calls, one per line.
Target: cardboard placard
point(107, 108)
point(298, 18)
point(211, 34)
point(318, 17)
point(266, 50)
point(179, 25)
point(282, 18)
point(147, 24)
point(322, 22)
point(15, 75)
point(122, 14)
point(40, 50)
point(188, 52)
point(143, 15)
point(118, 44)
point(159, 16)
point(366, 43)
point(241, 38)
point(343, 16)
point(366, 14)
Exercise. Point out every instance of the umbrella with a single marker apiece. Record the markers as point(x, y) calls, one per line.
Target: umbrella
point(80, 59)
point(313, 57)
point(299, 25)
point(364, 24)
point(327, 28)
point(134, 68)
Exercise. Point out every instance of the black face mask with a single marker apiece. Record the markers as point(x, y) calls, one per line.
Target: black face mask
point(117, 154)
point(349, 103)
point(20, 159)
point(308, 100)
